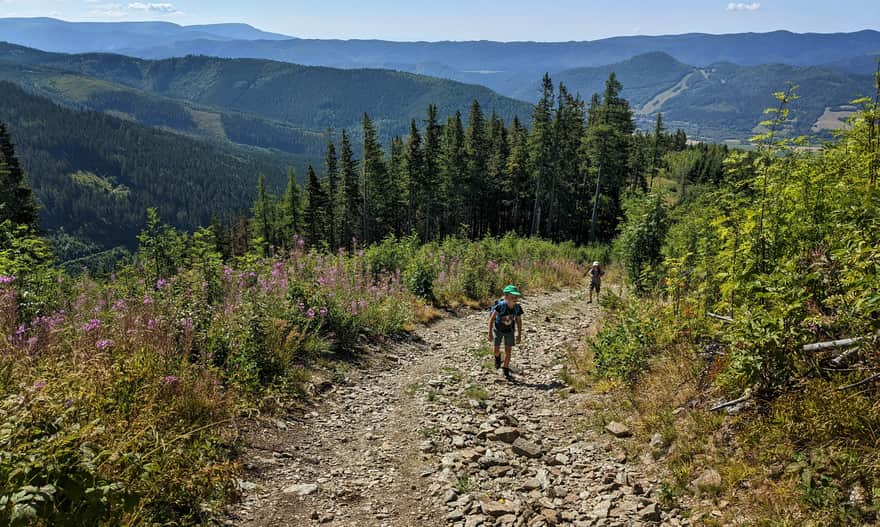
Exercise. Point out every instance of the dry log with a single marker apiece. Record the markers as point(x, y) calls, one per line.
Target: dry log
point(720, 317)
point(831, 344)
point(745, 397)
point(872, 378)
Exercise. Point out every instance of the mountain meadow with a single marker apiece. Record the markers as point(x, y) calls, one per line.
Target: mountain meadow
point(241, 291)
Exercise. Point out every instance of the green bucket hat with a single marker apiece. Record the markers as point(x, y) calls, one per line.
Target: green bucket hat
point(512, 290)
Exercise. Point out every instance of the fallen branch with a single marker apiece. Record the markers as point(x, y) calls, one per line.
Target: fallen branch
point(819, 346)
point(745, 397)
point(838, 360)
point(720, 317)
point(872, 378)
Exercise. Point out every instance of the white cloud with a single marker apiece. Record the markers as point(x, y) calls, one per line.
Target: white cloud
point(109, 10)
point(150, 7)
point(742, 6)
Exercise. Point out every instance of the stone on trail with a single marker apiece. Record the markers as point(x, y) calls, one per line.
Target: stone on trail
point(650, 513)
point(497, 508)
point(526, 448)
point(618, 429)
point(507, 434)
point(303, 489)
point(602, 509)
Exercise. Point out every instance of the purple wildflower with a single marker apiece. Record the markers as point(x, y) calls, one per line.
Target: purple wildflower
point(103, 344)
point(310, 313)
point(39, 385)
point(5, 279)
point(147, 301)
point(160, 283)
point(151, 324)
point(92, 325)
point(492, 266)
point(323, 311)
point(362, 304)
point(170, 380)
point(19, 331)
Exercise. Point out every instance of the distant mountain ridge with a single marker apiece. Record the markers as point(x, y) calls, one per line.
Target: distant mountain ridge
point(50, 34)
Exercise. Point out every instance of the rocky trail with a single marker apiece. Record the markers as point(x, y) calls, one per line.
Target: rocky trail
point(427, 433)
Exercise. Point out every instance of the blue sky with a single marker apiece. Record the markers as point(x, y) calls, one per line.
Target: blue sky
point(548, 20)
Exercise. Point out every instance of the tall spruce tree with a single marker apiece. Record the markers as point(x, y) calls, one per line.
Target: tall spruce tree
point(398, 193)
point(431, 191)
point(331, 176)
point(378, 216)
point(16, 199)
point(348, 209)
point(415, 176)
point(316, 225)
point(477, 152)
point(291, 207)
point(541, 151)
point(266, 221)
point(454, 174)
point(518, 180)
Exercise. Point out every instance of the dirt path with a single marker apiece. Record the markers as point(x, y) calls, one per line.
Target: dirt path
point(428, 433)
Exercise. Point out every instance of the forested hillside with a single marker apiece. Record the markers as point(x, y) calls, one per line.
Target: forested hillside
point(305, 97)
point(94, 175)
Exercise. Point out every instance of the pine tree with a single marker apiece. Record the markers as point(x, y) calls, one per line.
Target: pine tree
point(375, 184)
point(398, 194)
point(568, 129)
point(431, 189)
point(518, 180)
point(316, 225)
point(16, 199)
point(541, 151)
point(477, 152)
point(496, 194)
point(416, 217)
point(454, 174)
point(291, 207)
point(265, 214)
point(656, 149)
point(331, 176)
point(348, 208)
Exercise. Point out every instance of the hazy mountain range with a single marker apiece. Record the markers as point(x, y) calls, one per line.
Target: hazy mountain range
point(503, 66)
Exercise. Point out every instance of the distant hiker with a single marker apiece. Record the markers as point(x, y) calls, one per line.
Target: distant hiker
point(596, 273)
point(505, 314)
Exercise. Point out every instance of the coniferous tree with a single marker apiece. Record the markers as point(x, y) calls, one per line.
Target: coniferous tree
point(541, 155)
point(331, 176)
point(518, 180)
point(656, 148)
point(348, 207)
point(375, 185)
point(265, 214)
point(568, 129)
point(431, 191)
point(477, 152)
point(16, 199)
point(316, 225)
point(291, 208)
point(496, 192)
point(398, 194)
point(454, 174)
point(415, 179)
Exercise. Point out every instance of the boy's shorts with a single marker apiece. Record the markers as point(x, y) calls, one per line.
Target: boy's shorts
point(595, 286)
point(507, 337)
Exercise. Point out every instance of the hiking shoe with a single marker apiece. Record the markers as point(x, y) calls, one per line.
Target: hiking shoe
point(497, 361)
point(507, 373)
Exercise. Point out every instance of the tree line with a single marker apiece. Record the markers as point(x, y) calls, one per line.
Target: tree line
point(562, 178)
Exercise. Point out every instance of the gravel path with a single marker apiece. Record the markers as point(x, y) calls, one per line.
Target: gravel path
point(426, 432)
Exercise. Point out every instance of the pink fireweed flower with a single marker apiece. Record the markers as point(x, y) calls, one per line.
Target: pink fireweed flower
point(92, 325)
point(151, 324)
point(103, 344)
point(5, 279)
point(310, 313)
point(160, 283)
point(147, 301)
point(323, 311)
point(170, 380)
point(19, 331)
point(40, 384)
point(492, 266)
point(362, 304)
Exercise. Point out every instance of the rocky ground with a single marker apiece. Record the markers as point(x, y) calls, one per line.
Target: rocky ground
point(426, 432)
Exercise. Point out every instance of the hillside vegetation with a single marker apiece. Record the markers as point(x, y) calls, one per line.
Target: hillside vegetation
point(313, 98)
point(94, 175)
point(711, 355)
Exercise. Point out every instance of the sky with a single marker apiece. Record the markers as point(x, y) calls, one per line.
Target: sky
point(504, 20)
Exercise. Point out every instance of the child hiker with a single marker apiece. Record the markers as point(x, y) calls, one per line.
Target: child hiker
point(596, 274)
point(505, 314)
